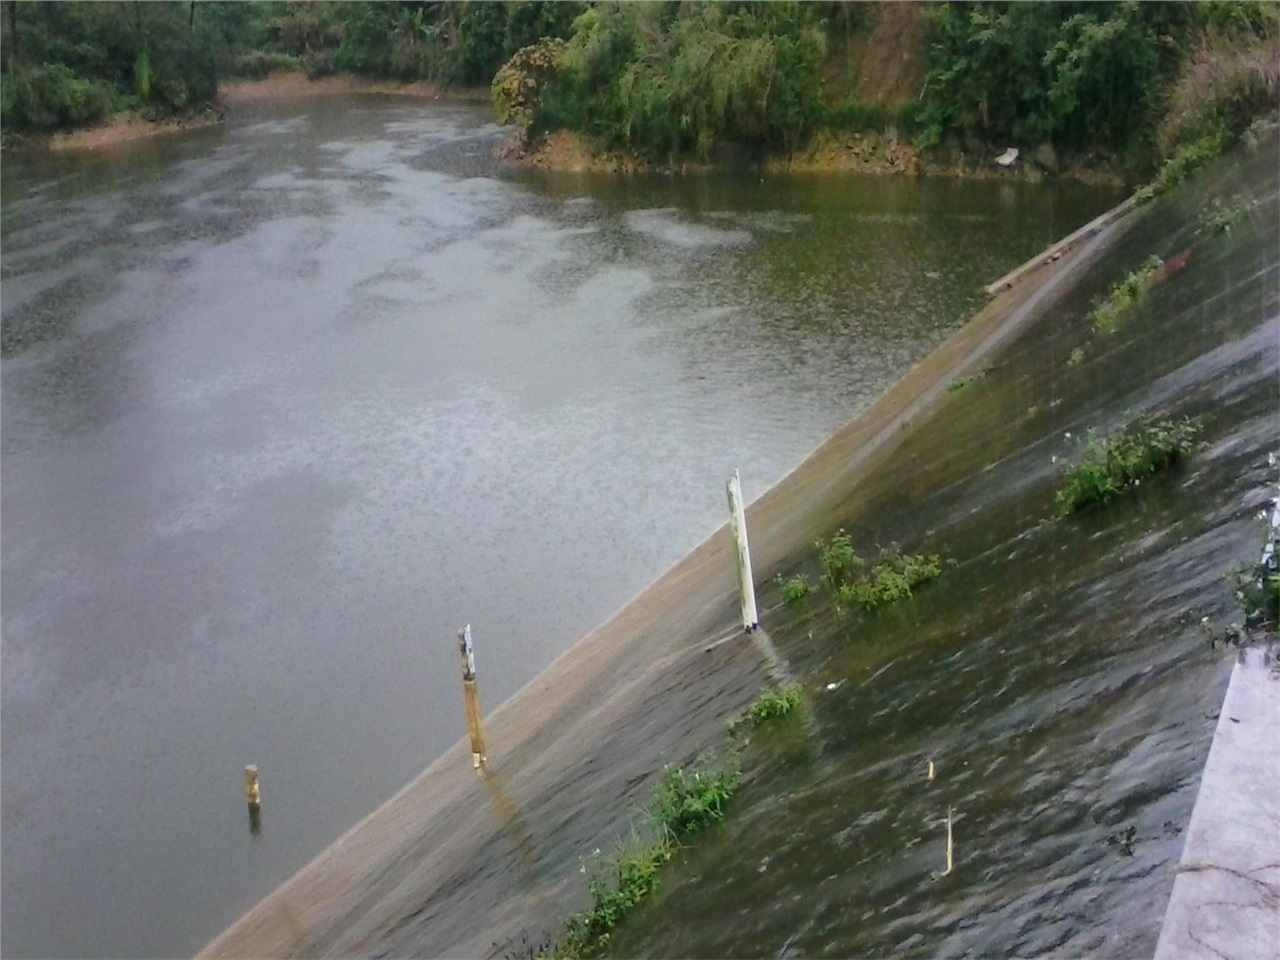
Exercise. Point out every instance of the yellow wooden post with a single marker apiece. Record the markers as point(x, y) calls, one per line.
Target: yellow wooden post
point(470, 698)
point(253, 795)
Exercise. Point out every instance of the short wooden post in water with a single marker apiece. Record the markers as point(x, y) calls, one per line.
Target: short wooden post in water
point(253, 795)
point(738, 524)
point(470, 697)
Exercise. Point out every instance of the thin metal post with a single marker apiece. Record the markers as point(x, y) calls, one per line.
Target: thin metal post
point(738, 524)
point(950, 847)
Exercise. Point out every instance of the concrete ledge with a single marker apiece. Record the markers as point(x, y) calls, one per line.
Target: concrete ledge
point(1226, 897)
point(1059, 249)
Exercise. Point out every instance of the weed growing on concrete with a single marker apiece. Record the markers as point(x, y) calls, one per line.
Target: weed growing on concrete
point(892, 577)
point(684, 801)
point(794, 589)
point(840, 564)
point(1108, 315)
point(1257, 587)
point(773, 702)
point(688, 799)
point(1269, 601)
point(616, 887)
point(1113, 465)
point(1223, 217)
point(1258, 590)
point(1076, 357)
point(1258, 594)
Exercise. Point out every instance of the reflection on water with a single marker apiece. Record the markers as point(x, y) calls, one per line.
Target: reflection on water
point(286, 403)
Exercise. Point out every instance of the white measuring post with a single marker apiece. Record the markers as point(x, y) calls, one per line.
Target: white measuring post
point(738, 524)
point(471, 699)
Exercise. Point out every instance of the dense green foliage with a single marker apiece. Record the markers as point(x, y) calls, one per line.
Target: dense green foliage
point(1116, 464)
point(460, 43)
point(1186, 160)
point(668, 81)
point(70, 64)
point(671, 80)
point(1145, 80)
point(521, 82)
point(1073, 74)
point(615, 889)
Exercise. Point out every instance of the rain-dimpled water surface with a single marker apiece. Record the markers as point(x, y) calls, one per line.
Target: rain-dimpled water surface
point(287, 402)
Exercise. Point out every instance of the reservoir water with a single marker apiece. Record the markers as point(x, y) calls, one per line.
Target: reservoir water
point(287, 402)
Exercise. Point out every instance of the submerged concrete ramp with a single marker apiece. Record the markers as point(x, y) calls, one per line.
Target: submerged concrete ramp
point(1226, 896)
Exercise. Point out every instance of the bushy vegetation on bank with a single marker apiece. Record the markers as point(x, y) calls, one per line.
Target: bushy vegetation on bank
point(669, 81)
point(72, 64)
point(1071, 74)
point(451, 43)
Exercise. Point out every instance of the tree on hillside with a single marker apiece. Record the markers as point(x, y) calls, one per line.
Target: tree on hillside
point(1069, 73)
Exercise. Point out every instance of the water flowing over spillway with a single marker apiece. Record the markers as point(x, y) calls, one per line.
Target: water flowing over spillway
point(1059, 676)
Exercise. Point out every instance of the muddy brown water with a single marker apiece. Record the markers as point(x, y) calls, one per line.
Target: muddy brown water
point(286, 403)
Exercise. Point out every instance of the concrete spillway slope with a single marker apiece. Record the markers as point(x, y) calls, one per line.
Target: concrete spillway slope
point(1062, 677)
point(459, 864)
